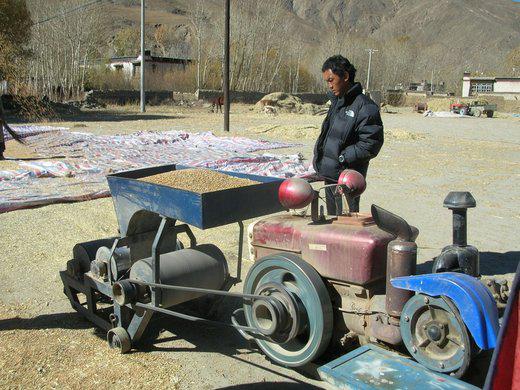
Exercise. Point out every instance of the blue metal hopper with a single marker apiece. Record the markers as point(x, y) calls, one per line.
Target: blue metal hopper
point(204, 211)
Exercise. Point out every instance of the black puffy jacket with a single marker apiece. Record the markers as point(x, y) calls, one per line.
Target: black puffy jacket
point(352, 128)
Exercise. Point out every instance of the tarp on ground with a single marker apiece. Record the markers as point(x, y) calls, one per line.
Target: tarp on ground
point(85, 160)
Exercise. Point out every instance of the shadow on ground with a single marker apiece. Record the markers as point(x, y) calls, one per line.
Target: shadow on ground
point(101, 116)
point(496, 263)
point(116, 116)
point(202, 337)
point(491, 263)
point(271, 385)
point(46, 321)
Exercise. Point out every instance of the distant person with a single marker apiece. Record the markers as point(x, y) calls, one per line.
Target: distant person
point(352, 132)
point(4, 125)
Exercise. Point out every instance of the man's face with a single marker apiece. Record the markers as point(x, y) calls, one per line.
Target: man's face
point(338, 85)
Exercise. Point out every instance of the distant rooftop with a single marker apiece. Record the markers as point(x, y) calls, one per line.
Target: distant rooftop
point(489, 78)
point(150, 58)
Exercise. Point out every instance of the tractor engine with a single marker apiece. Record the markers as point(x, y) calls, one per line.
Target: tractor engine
point(356, 255)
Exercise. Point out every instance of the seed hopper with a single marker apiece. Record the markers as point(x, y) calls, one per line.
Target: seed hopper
point(317, 280)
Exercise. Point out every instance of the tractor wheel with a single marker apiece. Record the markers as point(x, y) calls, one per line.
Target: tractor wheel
point(118, 338)
point(477, 112)
point(298, 323)
point(435, 335)
point(489, 113)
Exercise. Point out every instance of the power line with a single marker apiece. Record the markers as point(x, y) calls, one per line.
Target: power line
point(78, 8)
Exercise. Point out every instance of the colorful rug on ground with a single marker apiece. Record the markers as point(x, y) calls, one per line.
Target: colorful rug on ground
point(71, 166)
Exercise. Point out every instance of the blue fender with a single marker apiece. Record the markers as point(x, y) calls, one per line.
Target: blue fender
point(473, 300)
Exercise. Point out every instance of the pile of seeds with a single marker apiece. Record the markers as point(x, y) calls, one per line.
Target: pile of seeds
point(198, 180)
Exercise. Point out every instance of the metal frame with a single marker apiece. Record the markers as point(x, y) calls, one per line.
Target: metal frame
point(125, 315)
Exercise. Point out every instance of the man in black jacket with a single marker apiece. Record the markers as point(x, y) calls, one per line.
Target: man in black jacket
point(352, 132)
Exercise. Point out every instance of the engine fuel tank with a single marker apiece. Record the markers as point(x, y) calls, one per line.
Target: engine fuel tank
point(353, 253)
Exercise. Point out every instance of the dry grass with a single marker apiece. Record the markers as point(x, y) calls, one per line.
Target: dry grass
point(16, 150)
point(6, 165)
point(288, 132)
point(402, 135)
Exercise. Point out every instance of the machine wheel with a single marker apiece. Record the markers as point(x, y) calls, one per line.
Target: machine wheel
point(435, 335)
point(118, 338)
point(477, 112)
point(303, 331)
point(489, 113)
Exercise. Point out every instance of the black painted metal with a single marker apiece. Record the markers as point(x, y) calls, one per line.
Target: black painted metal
point(156, 256)
point(172, 313)
point(85, 252)
point(72, 287)
point(201, 290)
point(460, 227)
point(459, 257)
point(393, 224)
point(459, 202)
point(240, 244)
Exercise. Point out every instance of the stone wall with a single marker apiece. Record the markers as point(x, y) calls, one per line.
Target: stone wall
point(442, 103)
point(133, 97)
point(250, 97)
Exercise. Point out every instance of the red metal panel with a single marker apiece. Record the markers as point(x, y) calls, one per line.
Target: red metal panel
point(354, 254)
point(279, 232)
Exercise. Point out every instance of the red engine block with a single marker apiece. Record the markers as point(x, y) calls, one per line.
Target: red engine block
point(351, 249)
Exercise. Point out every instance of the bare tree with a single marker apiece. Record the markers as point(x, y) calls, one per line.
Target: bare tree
point(63, 47)
point(199, 20)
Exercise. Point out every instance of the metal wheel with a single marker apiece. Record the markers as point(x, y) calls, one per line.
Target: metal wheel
point(435, 335)
point(118, 338)
point(298, 323)
point(477, 112)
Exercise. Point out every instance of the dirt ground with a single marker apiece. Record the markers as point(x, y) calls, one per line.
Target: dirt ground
point(45, 344)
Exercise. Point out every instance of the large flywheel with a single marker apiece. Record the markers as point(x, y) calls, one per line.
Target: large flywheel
point(297, 322)
point(435, 334)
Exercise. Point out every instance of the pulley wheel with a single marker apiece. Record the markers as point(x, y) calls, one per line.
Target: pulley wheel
point(118, 338)
point(287, 274)
point(435, 335)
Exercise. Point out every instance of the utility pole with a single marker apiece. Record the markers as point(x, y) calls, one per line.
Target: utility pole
point(226, 65)
point(370, 51)
point(431, 84)
point(143, 108)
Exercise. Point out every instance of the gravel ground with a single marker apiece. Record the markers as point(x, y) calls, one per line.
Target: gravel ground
point(45, 344)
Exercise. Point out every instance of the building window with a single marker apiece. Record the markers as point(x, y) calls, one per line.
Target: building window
point(481, 87)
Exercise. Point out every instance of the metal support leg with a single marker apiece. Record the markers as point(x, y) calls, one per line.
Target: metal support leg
point(123, 315)
point(138, 324)
point(156, 256)
point(240, 244)
point(72, 287)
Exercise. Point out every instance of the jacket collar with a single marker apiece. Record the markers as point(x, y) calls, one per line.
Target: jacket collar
point(348, 97)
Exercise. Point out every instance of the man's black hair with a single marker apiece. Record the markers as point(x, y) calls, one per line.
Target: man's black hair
point(340, 65)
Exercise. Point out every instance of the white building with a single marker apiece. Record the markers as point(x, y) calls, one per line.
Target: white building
point(472, 86)
point(130, 66)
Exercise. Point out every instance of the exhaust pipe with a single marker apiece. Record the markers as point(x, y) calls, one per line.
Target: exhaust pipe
point(459, 257)
point(401, 259)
